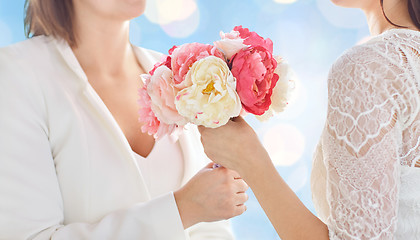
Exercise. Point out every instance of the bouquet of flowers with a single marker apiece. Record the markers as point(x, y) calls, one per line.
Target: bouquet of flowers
point(208, 84)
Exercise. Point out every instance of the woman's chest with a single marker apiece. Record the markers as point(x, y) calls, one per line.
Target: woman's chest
point(94, 164)
point(120, 97)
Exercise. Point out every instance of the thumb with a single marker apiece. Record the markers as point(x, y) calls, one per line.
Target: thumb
point(214, 165)
point(201, 128)
point(238, 119)
point(209, 165)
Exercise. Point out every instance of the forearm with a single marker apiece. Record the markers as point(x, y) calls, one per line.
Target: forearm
point(289, 216)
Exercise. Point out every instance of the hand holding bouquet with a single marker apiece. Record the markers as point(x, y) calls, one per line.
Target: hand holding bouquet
point(207, 85)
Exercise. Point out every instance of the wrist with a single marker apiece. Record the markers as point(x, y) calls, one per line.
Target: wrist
point(185, 209)
point(255, 168)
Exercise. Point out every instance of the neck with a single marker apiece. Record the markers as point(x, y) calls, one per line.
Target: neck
point(395, 10)
point(103, 45)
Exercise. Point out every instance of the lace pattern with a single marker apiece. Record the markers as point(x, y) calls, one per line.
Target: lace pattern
point(372, 129)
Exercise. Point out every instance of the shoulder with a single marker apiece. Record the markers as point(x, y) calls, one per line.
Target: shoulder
point(378, 61)
point(389, 48)
point(19, 67)
point(25, 50)
point(364, 54)
point(373, 75)
point(22, 59)
point(362, 78)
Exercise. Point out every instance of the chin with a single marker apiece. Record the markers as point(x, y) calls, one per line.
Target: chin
point(115, 9)
point(132, 8)
point(347, 3)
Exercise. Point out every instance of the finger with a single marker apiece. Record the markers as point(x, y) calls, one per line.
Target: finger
point(241, 186)
point(241, 198)
point(201, 128)
point(209, 165)
point(234, 174)
point(238, 119)
point(220, 167)
point(239, 209)
point(217, 167)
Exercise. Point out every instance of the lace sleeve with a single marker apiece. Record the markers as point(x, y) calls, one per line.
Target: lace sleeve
point(361, 145)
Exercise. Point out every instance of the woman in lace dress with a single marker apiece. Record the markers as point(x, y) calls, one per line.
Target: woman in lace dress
point(366, 175)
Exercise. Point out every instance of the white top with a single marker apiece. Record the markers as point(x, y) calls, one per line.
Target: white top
point(163, 168)
point(365, 178)
point(66, 169)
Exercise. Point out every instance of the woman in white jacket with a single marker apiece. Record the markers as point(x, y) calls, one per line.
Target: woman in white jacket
point(73, 161)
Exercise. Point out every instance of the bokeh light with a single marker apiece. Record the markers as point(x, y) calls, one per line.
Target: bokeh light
point(167, 11)
point(178, 18)
point(285, 1)
point(285, 144)
point(183, 28)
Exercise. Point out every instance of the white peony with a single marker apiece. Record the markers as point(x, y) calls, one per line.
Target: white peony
point(211, 99)
point(282, 90)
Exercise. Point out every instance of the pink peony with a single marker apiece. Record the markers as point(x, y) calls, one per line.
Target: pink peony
point(151, 123)
point(184, 56)
point(253, 39)
point(170, 51)
point(230, 43)
point(162, 95)
point(164, 61)
point(253, 69)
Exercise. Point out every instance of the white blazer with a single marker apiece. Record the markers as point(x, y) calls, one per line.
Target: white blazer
point(66, 169)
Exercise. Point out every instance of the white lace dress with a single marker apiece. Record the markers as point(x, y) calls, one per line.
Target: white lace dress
point(366, 175)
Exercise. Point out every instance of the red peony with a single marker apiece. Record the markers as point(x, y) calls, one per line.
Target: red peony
point(253, 69)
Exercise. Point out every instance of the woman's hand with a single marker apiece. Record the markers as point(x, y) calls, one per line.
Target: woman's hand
point(212, 194)
point(234, 145)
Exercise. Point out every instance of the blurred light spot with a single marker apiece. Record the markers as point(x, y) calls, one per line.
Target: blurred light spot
point(298, 178)
point(342, 17)
point(183, 28)
point(6, 34)
point(285, 144)
point(167, 11)
point(285, 1)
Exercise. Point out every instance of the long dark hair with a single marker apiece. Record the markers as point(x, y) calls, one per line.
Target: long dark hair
point(413, 10)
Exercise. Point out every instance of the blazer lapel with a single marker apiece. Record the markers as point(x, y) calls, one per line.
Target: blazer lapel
point(99, 106)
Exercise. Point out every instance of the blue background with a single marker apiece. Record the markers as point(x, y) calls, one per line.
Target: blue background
point(309, 34)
